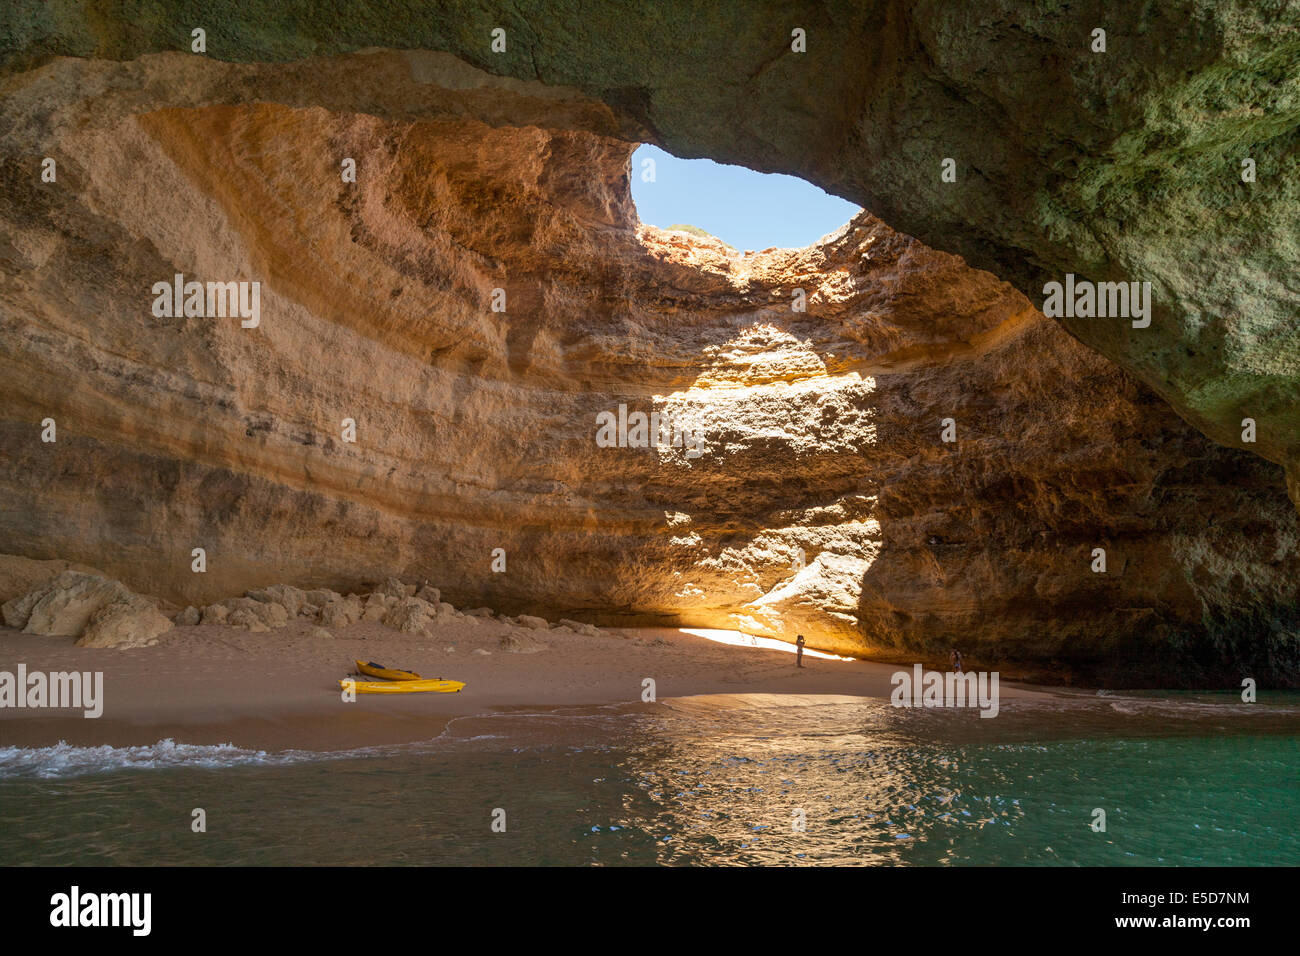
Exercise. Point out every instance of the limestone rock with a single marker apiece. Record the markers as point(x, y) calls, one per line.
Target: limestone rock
point(411, 616)
point(824, 597)
point(242, 604)
point(215, 614)
point(818, 431)
point(430, 594)
point(536, 623)
point(274, 615)
point(17, 610)
point(243, 617)
point(65, 605)
point(290, 598)
point(515, 643)
point(340, 613)
point(581, 628)
point(125, 624)
point(98, 611)
point(394, 589)
point(321, 597)
point(1083, 134)
point(375, 608)
point(269, 614)
point(188, 617)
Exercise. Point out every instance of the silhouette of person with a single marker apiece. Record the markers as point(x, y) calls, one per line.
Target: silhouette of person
point(954, 660)
point(798, 649)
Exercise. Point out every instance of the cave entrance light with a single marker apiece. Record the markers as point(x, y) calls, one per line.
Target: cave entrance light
point(741, 639)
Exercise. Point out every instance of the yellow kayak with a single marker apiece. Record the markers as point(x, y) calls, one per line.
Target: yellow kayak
point(372, 669)
point(429, 685)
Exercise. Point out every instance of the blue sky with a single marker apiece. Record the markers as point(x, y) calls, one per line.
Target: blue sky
point(749, 210)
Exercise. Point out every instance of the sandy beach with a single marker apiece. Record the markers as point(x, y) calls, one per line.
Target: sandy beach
point(212, 684)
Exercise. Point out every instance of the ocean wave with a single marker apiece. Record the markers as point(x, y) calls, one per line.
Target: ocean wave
point(842, 721)
point(66, 760)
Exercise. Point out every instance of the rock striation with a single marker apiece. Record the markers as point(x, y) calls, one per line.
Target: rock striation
point(812, 489)
point(1153, 144)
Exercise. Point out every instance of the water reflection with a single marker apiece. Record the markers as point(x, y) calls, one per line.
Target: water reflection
point(716, 781)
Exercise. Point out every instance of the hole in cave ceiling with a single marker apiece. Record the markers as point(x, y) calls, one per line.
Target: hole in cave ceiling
point(747, 210)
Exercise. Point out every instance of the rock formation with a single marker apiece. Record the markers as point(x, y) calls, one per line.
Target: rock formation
point(1088, 138)
point(101, 612)
point(820, 498)
point(96, 610)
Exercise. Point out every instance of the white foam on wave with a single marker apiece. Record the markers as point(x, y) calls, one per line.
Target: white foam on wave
point(66, 760)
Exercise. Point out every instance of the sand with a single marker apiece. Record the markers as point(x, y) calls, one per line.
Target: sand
point(278, 689)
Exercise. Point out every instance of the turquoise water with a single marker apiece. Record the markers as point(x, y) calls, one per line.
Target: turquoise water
point(1184, 781)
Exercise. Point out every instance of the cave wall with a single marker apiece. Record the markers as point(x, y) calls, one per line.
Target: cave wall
point(1122, 165)
point(821, 430)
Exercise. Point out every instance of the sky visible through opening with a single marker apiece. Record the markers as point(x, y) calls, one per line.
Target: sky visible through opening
point(744, 209)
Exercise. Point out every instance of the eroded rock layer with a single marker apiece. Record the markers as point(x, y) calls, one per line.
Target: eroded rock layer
point(823, 499)
point(1108, 141)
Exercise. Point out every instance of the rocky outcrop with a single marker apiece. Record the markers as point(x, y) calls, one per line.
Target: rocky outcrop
point(63, 605)
point(818, 493)
point(136, 622)
point(101, 612)
point(98, 611)
point(394, 604)
point(411, 615)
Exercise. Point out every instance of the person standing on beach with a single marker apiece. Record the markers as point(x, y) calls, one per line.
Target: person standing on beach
point(954, 660)
point(798, 649)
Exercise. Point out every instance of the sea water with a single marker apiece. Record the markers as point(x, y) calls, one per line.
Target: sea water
point(1181, 780)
